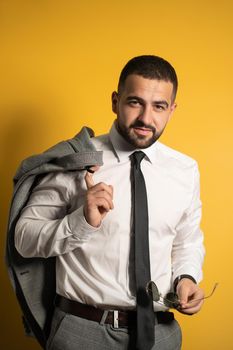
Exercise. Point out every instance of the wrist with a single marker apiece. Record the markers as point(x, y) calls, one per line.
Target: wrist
point(179, 278)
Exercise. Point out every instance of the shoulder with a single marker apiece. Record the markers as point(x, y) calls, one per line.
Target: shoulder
point(174, 158)
point(177, 167)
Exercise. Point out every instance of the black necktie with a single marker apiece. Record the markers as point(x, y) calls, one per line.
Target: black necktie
point(145, 313)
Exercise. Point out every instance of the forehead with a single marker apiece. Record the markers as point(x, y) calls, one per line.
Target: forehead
point(154, 89)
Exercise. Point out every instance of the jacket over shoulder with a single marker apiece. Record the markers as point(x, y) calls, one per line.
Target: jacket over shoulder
point(34, 279)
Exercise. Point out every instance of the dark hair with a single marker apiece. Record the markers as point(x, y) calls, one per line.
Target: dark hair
point(151, 67)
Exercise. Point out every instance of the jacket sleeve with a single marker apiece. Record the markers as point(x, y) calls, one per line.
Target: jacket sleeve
point(188, 250)
point(51, 223)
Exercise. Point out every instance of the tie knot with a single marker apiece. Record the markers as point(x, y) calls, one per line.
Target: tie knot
point(137, 157)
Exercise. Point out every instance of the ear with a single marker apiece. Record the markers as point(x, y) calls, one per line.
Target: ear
point(114, 102)
point(172, 110)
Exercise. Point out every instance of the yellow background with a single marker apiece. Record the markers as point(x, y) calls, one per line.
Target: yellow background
point(59, 63)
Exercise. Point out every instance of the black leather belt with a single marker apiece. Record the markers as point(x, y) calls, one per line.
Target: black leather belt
point(117, 318)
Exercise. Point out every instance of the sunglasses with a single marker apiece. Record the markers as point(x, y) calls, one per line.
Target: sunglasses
point(171, 300)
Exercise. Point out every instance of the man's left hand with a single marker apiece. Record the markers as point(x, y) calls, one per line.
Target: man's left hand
point(190, 296)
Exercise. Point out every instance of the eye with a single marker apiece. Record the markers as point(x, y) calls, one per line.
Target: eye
point(133, 102)
point(160, 107)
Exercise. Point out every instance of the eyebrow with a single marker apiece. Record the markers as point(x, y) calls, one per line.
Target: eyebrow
point(159, 102)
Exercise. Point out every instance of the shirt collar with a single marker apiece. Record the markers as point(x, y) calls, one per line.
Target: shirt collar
point(123, 149)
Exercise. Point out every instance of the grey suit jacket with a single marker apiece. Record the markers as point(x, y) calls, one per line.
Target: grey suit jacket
point(34, 279)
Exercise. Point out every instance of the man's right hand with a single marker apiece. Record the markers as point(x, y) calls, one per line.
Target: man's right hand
point(99, 200)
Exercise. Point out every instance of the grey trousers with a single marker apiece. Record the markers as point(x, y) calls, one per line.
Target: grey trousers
point(74, 333)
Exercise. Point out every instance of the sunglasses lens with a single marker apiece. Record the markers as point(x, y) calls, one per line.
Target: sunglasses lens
point(172, 300)
point(153, 291)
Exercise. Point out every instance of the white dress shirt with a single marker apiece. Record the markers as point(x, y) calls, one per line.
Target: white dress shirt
point(95, 265)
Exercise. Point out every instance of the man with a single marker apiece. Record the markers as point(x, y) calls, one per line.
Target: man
point(87, 222)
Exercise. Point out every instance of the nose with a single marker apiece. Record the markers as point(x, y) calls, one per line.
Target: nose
point(146, 114)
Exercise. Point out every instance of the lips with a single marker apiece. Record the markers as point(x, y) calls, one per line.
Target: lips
point(142, 131)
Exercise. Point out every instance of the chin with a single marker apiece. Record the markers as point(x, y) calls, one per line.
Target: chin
point(141, 142)
point(135, 140)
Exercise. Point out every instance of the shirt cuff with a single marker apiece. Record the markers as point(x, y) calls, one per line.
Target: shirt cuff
point(79, 227)
point(192, 270)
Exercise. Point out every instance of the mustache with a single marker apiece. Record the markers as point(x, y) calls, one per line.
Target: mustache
point(141, 124)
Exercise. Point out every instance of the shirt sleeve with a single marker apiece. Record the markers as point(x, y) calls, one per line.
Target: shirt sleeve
point(188, 250)
point(46, 226)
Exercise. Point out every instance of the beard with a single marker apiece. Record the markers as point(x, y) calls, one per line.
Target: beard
point(138, 141)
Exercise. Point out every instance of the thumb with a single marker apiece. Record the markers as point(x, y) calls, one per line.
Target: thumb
point(184, 290)
point(183, 294)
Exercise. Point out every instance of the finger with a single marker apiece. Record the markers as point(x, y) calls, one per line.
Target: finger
point(101, 202)
point(89, 176)
point(92, 198)
point(101, 186)
point(194, 300)
point(111, 189)
point(183, 295)
point(196, 296)
point(191, 309)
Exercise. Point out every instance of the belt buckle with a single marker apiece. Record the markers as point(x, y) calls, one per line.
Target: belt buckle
point(115, 319)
